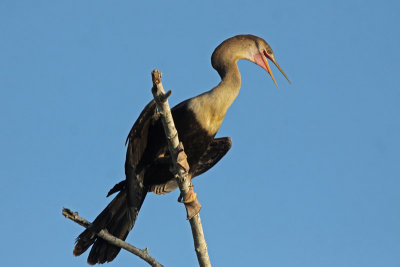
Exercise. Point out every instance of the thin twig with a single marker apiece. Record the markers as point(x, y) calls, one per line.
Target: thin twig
point(180, 170)
point(141, 253)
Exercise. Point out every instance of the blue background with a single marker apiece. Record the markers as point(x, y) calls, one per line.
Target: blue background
point(312, 178)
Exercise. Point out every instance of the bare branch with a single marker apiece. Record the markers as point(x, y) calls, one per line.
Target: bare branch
point(181, 168)
point(141, 253)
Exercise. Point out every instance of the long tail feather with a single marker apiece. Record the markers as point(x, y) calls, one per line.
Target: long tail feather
point(116, 219)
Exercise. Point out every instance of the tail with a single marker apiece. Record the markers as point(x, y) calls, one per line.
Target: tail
point(118, 222)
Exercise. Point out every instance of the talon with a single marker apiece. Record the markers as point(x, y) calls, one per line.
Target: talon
point(192, 208)
point(190, 196)
point(182, 160)
point(192, 205)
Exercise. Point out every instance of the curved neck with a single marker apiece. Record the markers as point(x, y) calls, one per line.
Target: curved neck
point(210, 107)
point(223, 95)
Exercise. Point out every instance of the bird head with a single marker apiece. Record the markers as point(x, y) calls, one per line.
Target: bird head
point(250, 47)
point(262, 55)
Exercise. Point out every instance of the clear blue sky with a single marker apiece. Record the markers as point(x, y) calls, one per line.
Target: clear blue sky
point(313, 176)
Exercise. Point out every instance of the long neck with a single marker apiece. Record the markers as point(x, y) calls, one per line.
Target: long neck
point(222, 96)
point(210, 107)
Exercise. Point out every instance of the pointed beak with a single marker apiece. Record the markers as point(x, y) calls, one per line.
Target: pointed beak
point(276, 64)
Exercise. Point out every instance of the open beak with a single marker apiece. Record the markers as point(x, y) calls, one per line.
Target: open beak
point(269, 69)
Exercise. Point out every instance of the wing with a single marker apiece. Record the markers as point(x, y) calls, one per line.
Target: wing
point(215, 151)
point(138, 129)
point(137, 143)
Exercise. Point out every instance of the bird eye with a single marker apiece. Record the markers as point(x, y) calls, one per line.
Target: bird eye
point(269, 52)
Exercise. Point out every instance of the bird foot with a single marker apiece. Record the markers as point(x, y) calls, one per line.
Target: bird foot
point(182, 158)
point(192, 205)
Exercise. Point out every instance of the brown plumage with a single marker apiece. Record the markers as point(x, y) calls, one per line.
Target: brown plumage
point(147, 159)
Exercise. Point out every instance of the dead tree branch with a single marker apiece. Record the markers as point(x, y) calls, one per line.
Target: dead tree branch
point(141, 253)
point(181, 168)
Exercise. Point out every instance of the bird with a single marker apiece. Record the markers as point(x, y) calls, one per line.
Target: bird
point(148, 162)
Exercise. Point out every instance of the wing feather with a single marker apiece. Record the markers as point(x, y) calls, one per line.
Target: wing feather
point(137, 143)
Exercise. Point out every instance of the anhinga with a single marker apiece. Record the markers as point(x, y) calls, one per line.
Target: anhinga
point(147, 165)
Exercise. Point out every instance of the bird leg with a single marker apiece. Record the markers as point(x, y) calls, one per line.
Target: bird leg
point(192, 205)
point(181, 158)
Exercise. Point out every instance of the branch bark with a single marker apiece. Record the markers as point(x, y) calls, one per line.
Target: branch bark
point(141, 253)
point(181, 167)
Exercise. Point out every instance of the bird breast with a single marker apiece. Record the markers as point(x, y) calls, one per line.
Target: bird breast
point(207, 113)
